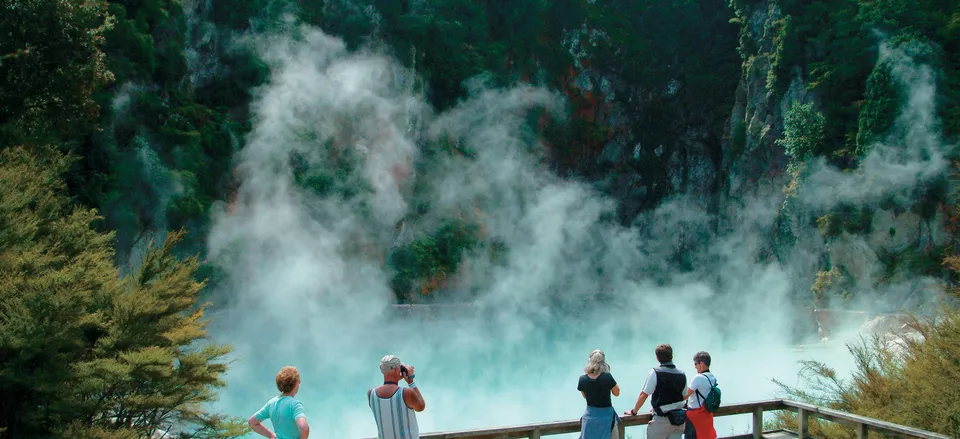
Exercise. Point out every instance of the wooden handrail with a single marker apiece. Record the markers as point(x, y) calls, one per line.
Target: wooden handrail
point(861, 423)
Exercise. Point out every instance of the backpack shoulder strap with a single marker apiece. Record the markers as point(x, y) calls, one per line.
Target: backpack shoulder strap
point(700, 397)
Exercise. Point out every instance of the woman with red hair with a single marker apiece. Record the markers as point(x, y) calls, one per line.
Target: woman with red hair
point(284, 411)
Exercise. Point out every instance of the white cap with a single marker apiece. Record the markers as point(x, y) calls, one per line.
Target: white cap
point(389, 363)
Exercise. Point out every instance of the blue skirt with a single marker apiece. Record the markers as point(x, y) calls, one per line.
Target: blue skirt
point(597, 422)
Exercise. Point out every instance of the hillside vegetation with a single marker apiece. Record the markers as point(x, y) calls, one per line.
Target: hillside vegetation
point(120, 122)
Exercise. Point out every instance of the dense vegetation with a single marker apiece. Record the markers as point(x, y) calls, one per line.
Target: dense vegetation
point(172, 89)
point(119, 121)
point(84, 352)
point(852, 100)
point(905, 381)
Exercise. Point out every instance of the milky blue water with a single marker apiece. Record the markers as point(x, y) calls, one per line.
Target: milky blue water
point(485, 373)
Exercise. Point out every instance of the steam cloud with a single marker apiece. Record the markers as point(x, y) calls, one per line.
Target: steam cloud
point(909, 160)
point(912, 157)
point(306, 284)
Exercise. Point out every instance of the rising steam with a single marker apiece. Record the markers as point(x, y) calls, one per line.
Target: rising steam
point(307, 284)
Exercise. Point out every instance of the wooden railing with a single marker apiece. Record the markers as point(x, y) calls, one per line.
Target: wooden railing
point(862, 424)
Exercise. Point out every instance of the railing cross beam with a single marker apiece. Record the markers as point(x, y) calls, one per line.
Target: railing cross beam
point(804, 411)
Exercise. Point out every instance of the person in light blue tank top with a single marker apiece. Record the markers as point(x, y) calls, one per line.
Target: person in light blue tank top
point(284, 411)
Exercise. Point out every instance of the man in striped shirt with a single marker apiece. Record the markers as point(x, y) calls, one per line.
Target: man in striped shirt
point(394, 408)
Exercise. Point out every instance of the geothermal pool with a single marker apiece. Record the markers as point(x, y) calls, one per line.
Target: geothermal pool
point(483, 372)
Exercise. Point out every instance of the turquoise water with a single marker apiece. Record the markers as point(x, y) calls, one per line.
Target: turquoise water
point(479, 373)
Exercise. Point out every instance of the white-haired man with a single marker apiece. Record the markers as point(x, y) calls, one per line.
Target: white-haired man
point(394, 408)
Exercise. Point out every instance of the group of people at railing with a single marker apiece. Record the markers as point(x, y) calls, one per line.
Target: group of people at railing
point(677, 410)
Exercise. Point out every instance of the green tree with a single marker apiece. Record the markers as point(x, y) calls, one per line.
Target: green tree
point(181, 123)
point(147, 371)
point(84, 353)
point(431, 258)
point(54, 271)
point(46, 89)
point(803, 133)
point(880, 107)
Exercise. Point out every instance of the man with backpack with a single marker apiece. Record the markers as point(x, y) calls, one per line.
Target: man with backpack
point(703, 399)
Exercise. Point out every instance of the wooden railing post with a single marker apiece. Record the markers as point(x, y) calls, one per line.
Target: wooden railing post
point(757, 423)
point(862, 431)
point(802, 427)
point(621, 431)
point(535, 434)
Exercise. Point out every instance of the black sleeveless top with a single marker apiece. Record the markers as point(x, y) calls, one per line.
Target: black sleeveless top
point(597, 389)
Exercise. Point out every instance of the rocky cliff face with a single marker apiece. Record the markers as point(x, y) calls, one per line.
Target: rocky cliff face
point(838, 253)
point(751, 155)
point(652, 102)
point(690, 104)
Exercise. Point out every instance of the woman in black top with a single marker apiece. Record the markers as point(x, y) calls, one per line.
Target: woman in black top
point(596, 385)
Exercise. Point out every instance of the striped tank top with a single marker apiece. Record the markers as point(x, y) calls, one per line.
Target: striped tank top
point(394, 419)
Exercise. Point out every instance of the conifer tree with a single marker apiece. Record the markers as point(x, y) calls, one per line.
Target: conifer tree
point(147, 371)
point(84, 353)
point(54, 269)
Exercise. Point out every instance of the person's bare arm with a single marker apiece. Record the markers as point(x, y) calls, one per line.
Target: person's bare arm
point(411, 395)
point(615, 390)
point(304, 428)
point(258, 427)
point(687, 395)
point(640, 400)
point(414, 399)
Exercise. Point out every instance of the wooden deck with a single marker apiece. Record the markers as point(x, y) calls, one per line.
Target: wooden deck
point(861, 424)
point(772, 434)
point(778, 434)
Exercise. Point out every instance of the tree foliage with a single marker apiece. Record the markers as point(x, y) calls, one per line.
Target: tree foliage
point(883, 101)
point(52, 65)
point(83, 352)
point(169, 134)
point(430, 260)
point(803, 132)
point(833, 45)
